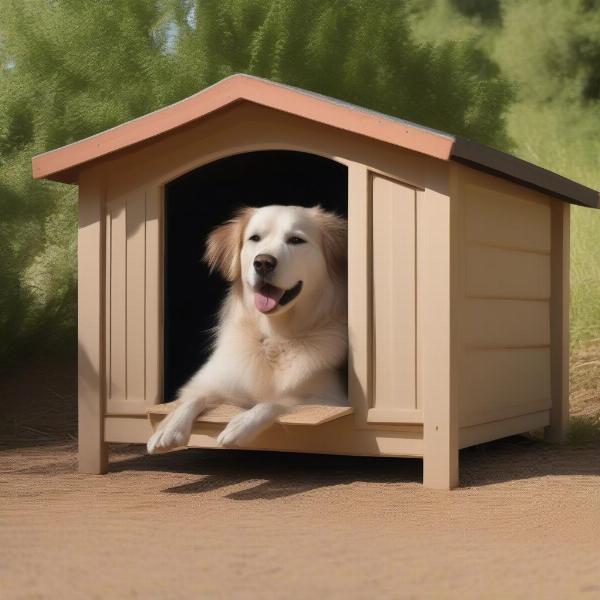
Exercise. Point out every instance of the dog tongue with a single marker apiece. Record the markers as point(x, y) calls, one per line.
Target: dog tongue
point(267, 297)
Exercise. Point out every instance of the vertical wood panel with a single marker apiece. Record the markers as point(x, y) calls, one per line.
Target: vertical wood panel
point(359, 290)
point(393, 248)
point(134, 300)
point(436, 259)
point(107, 296)
point(90, 315)
point(136, 295)
point(118, 300)
point(154, 317)
point(559, 322)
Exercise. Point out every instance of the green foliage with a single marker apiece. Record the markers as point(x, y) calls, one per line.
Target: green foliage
point(71, 69)
point(583, 430)
point(550, 49)
point(355, 50)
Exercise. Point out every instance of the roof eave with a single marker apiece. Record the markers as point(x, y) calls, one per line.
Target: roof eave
point(64, 164)
point(495, 162)
point(54, 164)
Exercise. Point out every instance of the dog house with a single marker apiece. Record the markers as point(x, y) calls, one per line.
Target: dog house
point(458, 270)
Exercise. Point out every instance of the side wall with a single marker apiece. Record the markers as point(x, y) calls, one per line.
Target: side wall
point(511, 306)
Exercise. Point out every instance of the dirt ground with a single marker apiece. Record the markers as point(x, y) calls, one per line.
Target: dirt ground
point(230, 524)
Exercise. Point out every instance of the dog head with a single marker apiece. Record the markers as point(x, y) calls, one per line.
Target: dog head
point(280, 253)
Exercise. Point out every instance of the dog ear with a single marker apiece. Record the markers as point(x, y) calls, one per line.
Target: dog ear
point(334, 238)
point(224, 245)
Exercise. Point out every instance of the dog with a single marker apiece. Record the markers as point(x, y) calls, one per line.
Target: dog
point(282, 334)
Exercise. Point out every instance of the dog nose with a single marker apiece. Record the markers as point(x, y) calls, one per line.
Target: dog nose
point(264, 263)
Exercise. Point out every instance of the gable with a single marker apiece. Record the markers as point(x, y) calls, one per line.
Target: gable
point(64, 164)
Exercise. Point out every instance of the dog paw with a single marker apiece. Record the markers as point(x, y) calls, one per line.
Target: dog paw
point(174, 435)
point(238, 431)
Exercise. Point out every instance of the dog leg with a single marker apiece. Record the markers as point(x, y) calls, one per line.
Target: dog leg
point(174, 431)
point(204, 390)
point(245, 426)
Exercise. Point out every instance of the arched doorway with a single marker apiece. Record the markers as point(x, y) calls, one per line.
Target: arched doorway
point(200, 200)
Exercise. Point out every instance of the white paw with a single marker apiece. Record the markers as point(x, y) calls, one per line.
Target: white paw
point(175, 434)
point(240, 430)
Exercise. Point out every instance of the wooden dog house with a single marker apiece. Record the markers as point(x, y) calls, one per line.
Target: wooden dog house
point(458, 271)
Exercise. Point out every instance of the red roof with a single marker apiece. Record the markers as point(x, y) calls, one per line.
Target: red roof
point(63, 163)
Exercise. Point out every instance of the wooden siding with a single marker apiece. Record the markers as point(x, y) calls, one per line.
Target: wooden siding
point(504, 297)
point(133, 298)
point(393, 209)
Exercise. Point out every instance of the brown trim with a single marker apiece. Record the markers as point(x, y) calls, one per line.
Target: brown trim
point(59, 164)
point(63, 164)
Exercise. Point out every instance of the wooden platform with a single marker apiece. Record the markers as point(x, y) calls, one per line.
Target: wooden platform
point(309, 414)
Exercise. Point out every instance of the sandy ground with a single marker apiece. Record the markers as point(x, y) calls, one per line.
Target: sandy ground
point(230, 524)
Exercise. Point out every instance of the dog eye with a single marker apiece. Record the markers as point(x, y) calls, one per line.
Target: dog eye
point(296, 240)
point(254, 238)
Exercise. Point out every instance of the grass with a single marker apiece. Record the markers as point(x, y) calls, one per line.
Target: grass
point(584, 426)
point(585, 275)
point(583, 430)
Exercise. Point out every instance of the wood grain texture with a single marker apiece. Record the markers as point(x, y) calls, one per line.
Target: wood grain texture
point(359, 290)
point(559, 309)
point(305, 415)
point(501, 273)
point(93, 456)
point(117, 296)
point(436, 269)
point(505, 308)
point(486, 432)
point(136, 296)
point(496, 218)
point(493, 323)
point(154, 304)
point(339, 436)
point(494, 380)
point(393, 359)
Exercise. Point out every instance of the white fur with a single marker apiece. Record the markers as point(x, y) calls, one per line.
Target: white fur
point(275, 361)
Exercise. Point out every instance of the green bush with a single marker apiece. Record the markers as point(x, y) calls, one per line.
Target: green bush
point(71, 69)
point(550, 50)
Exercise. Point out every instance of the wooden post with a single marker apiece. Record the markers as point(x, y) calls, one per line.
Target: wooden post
point(436, 238)
point(93, 456)
point(359, 290)
point(559, 323)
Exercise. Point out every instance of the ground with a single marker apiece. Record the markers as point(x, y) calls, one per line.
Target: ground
point(233, 524)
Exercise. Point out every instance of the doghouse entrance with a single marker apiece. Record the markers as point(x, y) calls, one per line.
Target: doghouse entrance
point(197, 202)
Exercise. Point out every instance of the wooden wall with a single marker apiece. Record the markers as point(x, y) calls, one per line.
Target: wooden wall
point(505, 302)
point(133, 296)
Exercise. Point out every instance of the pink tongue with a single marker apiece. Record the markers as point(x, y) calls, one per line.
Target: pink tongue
point(267, 297)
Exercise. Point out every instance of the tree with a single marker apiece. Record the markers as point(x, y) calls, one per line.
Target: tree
point(550, 49)
point(71, 69)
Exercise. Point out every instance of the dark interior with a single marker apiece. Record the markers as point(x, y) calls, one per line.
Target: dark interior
point(197, 202)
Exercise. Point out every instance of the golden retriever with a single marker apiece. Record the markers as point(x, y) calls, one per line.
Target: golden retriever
point(282, 332)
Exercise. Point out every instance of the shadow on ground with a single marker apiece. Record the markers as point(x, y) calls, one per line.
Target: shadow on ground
point(41, 411)
point(285, 474)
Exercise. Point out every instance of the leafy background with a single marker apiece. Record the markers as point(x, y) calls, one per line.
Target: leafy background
point(522, 76)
